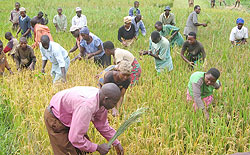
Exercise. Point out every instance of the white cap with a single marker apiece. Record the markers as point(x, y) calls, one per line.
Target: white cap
point(22, 9)
point(73, 28)
point(78, 9)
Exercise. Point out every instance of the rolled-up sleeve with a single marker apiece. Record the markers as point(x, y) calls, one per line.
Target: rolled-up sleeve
point(79, 127)
point(101, 124)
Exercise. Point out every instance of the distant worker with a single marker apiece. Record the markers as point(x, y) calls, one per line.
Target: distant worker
point(200, 89)
point(212, 3)
point(40, 20)
point(172, 31)
point(192, 22)
point(237, 2)
point(24, 24)
point(14, 16)
point(60, 21)
point(223, 2)
point(191, 3)
point(134, 10)
point(167, 17)
point(239, 33)
point(138, 23)
point(127, 33)
point(79, 20)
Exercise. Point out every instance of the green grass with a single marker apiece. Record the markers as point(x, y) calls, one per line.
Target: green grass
point(170, 126)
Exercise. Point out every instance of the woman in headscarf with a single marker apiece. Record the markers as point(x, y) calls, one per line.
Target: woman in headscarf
point(120, 75)
point(92, 46)
point(239, 33)
point(200, 89)
point(127, 33)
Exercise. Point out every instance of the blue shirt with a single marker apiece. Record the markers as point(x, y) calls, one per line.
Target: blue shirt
point(93, 46)
point(24, 24)
point(56, 54)
point(134, 11)
point(139, 25)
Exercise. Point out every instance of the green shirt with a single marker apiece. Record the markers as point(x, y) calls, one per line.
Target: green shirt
point(198, 89)
point(61, 22)
point(167, 20)
point(169, 30)
point(162, 49)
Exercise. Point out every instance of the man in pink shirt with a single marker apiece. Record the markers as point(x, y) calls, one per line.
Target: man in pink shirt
point(68, 116)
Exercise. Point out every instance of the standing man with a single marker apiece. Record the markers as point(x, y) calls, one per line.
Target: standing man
point(195, 50)
point(134, 10)
point(24, 24)
point(138, 23)
point(167, 17)
point(192, 22)
point(159, 48)
point(57, 55)
point(79, 19)
point(69, 114)
point(60, 21)
point(14, 16)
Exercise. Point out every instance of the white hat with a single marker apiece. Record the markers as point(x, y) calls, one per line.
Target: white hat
point(22, 9)
point(78, 9)
point(73, 28)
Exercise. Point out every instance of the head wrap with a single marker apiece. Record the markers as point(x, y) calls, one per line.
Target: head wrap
point(125, 67)
point(127, 19)
point(84, 30)
point(240, 21)
point(214, 72)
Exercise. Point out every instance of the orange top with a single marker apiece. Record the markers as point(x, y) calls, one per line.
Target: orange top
point(39, 31)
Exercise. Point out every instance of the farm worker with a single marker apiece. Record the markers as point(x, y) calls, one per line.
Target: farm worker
point(134, 10)
point(57, 55)
point(239, 33)
point(69, 114)
point(119, 76)
point(60, 21)
point(166, 17)
point(92, 46)
point(127, 33)
point(12, 44)
point(14, 16)
point(237, 2)
point(200, 89)
point(159, 48)
point(3, 61)
point(138, 23)
point(212, 3)
point(192, 21)
point(172, 31)
point(191, 3)
point(223, 2)
point(195, 50)
point(40, 20)
point(120, 55)
point(39, 30)
point(79, 20)
point(75, 31)
point(24, 55)
point(24, 24)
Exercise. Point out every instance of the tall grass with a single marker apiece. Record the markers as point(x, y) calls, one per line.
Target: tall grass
point(171, 126)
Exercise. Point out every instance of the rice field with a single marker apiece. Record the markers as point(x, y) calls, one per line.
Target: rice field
point(170, 125)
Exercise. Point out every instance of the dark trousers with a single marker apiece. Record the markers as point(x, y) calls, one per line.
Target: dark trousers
point(103, 61)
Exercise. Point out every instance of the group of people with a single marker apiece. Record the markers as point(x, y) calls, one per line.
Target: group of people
point(70, 111)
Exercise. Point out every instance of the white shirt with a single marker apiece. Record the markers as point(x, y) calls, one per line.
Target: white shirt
point(237, 34)
point(79, 22)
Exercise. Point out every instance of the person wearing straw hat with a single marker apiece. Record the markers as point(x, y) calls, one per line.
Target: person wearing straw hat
point(200, 89)
point(75, 31)
point(167, 17)
point(24, 24)
point(127, 33)
point(239, 33)
point(119, 75)
point(68, 117)
point(91, 46)
point(79, 20)
point(60, 21)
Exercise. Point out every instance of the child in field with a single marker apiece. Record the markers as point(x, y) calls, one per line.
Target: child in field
point(14, 16)
point(24, 56)
point(134, 10)
point(39, 31)
point(119, 76)
point(200, 89)
point(24, 23)
point(239, 33)
point(3, 61)
point(60, 21)
point(40, 20)
point(12, 44)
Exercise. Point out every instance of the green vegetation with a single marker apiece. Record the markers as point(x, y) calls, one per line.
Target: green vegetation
point(170, 126)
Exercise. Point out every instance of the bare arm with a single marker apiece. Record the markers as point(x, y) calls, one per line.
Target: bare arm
point(43, 65)
point(184, 58)
point(63, 73)
point(74, 48)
